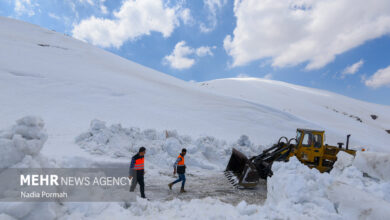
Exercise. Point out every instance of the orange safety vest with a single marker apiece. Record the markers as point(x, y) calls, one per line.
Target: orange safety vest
point(139, 164)
point(181, 162)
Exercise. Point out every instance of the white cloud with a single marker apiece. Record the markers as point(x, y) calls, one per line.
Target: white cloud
point(242, 75)
point(268, 76)
point(350, 70)
point(178, 59)
point(212, 6)
point(185, 15)
point(90, 2)
point(95, 5)
point(25, 7)
point(183, 56)
point(379, 79)
point(134, 19)
point(204, 51)
point(103, 8)
point(73, 7)
point(54, 16)
point(298, 31)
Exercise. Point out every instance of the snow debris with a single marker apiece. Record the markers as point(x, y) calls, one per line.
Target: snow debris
point(374, 164)
point(163, 147)
point(6, 217)
point(357, 188)
point(353, 203)
point(344, 193)
point(20, 148)
point(343, 160)
point(294, 192)
point(301, 190)
point(22, 142)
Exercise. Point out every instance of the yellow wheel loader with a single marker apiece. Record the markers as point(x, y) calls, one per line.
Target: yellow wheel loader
point(308, 147)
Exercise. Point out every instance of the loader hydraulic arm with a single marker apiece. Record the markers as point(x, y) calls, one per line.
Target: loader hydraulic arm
point(245, 172)
point(281, 151)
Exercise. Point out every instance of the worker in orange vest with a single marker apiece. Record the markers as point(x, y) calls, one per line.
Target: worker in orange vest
point(136, 172)
point(180, 168)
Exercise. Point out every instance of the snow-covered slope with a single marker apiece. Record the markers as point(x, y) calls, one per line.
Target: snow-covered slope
point(68, 83)
point(337, 114)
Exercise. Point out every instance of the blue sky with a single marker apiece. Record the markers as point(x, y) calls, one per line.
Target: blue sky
point(322, 44)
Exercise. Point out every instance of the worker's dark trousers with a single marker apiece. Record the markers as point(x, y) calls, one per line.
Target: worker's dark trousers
point(138, 177)
point(182, 177)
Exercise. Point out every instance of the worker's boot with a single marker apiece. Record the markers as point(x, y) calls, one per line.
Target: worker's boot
point(182, 190)
point(170, 186)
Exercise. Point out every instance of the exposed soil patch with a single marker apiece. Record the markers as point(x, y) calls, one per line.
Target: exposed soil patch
point(48, 45)
point(357, 118)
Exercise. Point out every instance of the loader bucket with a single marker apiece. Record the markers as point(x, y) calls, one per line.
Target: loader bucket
point(240, 171)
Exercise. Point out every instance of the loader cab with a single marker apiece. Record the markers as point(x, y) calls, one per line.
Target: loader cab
point(310, 146)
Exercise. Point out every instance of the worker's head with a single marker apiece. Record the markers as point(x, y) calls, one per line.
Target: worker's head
point(142, 151)
point(183, 151)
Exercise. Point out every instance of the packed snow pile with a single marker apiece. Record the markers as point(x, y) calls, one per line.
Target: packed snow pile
point(195, 209)
point(374, 164)
point(357, 188)
point(294, 192)
point(20, 147)
point(163, 147)
point(300, 190)
point(21, 144)
point(347, 192)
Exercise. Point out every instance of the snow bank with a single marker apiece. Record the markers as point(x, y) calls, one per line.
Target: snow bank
point(343, 161)
point(20, 147)
point(163, 147)
point(294, 192)
point(345, 193)
point(374, 164)
point(22, 142)
point(205, 209)
point(357, 188)
point(300, 191)
point(353, 203)
point(30, 210)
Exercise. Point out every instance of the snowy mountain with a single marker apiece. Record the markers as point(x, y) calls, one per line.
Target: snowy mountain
point(338, 115)
point(98, 108)
point(69, 83)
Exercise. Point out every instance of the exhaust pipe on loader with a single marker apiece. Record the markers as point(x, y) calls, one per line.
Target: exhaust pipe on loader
point(347, 144)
